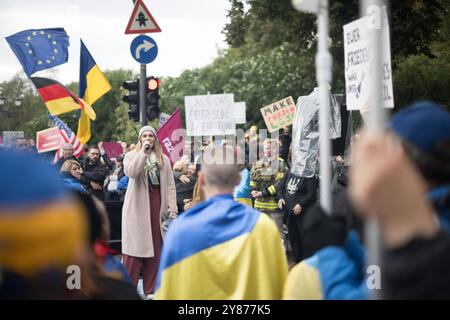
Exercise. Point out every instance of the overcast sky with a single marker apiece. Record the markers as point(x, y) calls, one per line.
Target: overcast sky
point(191, 33)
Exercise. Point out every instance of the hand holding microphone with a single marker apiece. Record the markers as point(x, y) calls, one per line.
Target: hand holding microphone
point(146, 146)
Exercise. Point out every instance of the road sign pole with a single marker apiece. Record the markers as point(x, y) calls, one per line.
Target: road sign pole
point(142, 84)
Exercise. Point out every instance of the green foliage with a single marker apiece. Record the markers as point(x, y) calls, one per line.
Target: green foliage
point(259, 80)
point(422, 78)
point(236, 29)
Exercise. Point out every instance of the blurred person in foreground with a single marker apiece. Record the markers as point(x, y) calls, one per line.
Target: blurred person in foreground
point(424, 133)
point(415, 262)
point(45, 236)
point(42, 231)
point(221, 249)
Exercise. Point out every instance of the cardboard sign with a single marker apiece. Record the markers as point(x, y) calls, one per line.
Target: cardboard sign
point(10, 137)
point(210, 115)
point(163, 117)
point(279, 114)
point(48, 140)
point(239, 112)
point(357, 64)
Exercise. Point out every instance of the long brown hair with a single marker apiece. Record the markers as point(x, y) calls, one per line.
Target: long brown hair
point(156, 149)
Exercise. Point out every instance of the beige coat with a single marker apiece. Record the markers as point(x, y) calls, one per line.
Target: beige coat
point(137, 238)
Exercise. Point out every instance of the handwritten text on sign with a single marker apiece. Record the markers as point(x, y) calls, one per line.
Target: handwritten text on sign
point(357, 64)
point(210, 115)
point(279, 114)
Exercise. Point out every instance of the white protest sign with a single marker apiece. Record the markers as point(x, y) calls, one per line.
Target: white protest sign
point(210, 115)
point(163, 117)
point(10, 137)
point(357, 64)
point(239, 112)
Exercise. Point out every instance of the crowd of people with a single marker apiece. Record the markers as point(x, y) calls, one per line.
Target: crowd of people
point(208, 228)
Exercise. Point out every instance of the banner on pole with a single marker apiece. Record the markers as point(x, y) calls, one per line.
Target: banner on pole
point(240, 112)
point(171, 137)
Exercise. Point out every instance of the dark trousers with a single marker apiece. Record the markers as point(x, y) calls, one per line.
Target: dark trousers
point(294, 228)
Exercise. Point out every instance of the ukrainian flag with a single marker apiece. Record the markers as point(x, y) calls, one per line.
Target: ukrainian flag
point(332, 273)
point(221, 249)
point(93, 85)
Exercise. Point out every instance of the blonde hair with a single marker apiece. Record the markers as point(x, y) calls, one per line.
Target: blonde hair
point(67, 165)
point(180, 166)
point(156, 149)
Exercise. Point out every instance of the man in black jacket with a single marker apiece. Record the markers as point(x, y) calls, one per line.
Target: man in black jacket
point(295, 196)
point(95, 172)
point(285, 144)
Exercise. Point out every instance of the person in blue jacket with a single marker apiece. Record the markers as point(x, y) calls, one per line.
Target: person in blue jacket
point(71, 173)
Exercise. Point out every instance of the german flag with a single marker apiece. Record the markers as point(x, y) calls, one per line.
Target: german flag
point(59, 99)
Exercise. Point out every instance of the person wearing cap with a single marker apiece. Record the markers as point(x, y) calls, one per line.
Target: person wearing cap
point(424, 133)
point(150, 193)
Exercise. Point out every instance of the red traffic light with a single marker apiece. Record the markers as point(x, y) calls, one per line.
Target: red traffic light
point(153, 83)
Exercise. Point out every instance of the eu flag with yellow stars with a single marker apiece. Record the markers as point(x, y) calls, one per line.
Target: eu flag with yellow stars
point(40, 49)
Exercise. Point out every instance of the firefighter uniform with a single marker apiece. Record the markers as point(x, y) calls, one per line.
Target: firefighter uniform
point(264, 176)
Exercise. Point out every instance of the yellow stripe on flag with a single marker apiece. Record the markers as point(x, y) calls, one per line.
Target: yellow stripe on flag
point(97, 85)
point(63, 105)
point(84, 128)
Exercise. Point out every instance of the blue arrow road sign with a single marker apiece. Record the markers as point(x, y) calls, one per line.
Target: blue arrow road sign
point(144, 49)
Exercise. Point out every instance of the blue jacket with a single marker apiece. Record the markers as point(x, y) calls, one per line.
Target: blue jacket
point(72, 183)
point(243, 189)
point(332, 273)
point(123, 183)
point(440, 197)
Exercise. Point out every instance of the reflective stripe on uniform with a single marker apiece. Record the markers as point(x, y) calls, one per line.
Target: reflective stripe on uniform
point(272, 190)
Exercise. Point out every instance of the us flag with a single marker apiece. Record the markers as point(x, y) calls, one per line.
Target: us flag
point(68, 137)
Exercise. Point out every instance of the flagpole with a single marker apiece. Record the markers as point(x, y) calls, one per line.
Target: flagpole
point(376, 117)
point(323, 74)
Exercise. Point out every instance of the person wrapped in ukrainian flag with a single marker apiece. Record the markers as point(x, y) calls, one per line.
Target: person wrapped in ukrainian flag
point(221, 249)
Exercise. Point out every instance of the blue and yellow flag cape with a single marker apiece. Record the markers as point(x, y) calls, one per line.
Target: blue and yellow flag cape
point(332, 273)
point(92, 86)
point(221, 249)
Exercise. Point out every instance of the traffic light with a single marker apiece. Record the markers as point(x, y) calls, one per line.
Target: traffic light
point(152, 98)
point(132, 99)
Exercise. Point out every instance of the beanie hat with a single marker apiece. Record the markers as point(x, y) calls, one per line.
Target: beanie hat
point(146, 128)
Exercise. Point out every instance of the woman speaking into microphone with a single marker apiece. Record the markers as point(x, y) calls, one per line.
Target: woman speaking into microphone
point(151, 191)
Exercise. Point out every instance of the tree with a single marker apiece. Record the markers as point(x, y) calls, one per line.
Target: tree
point(235, 30)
